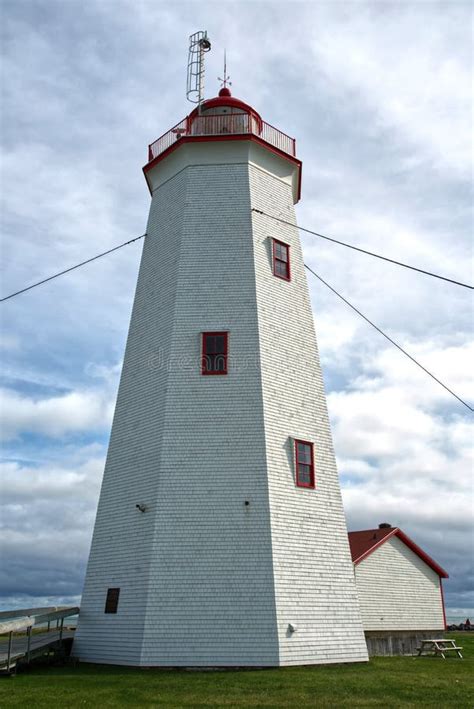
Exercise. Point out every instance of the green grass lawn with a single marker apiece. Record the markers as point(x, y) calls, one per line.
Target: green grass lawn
point(383, 682)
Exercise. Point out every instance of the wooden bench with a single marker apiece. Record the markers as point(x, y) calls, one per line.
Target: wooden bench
point(438, 647)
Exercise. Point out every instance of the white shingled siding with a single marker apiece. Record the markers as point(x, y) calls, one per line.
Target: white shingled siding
point(398, 591)
point(195, 571)
point(213, 595)
point(206, 579)
point(121, 545)
point(315, 590)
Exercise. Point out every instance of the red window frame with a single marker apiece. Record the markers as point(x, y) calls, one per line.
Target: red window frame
point(303, 462)
point(278, 260)
point(206, 355)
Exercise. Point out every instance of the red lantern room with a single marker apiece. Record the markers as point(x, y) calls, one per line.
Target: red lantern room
point(224, 118)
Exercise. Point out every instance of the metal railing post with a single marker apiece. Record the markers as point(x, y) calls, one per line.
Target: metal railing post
point(61, 630)
point(10, 638)
point(28, 648)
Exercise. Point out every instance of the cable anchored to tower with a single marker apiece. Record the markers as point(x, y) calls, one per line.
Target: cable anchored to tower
point(364, 251)
point(387, 337)
point(71, 268)
point(137, 238)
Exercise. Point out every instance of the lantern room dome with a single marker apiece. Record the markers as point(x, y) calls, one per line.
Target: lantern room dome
point(226, 104)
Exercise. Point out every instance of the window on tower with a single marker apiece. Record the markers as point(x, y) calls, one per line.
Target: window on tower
point(304, 462)
point(111, 602)
point(281, 260)
point(214, 353)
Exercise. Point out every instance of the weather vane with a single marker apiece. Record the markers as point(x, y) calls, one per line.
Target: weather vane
point(226, 78)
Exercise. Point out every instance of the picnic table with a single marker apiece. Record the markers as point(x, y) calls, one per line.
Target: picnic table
point(439, 647)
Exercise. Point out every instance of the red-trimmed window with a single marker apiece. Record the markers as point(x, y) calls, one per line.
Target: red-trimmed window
point(281, 260)
point(304, 461)
point(214, 353)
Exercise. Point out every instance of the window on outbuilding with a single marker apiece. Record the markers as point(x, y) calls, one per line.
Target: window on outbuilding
point(304, 463)
point(281, 260)
point(214, 353)
point(111, 602)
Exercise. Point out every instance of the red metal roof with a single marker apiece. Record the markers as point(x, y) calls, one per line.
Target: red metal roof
point(367, 541)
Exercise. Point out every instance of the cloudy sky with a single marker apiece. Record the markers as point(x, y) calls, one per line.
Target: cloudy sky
point(377, 95)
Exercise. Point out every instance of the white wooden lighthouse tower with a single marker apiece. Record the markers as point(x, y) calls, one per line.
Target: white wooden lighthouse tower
point(220, 537)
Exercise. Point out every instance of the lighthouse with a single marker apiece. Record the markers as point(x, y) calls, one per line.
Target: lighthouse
point(220, 537)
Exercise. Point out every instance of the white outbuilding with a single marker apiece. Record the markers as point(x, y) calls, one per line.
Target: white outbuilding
point(400, 590)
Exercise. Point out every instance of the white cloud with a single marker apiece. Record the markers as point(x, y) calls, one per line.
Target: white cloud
point(46, 524)
point(450, 362)
point(55, 416)
point(23, 484)
point(393, 411)
point(9, 342)
point(403, 71)
point(404, 459)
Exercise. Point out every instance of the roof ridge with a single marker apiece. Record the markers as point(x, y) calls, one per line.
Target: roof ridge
point(362, 548)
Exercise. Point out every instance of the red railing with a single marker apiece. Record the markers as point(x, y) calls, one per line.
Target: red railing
point(223, 124)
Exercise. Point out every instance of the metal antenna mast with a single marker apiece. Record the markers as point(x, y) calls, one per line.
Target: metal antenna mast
point(199, 44)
